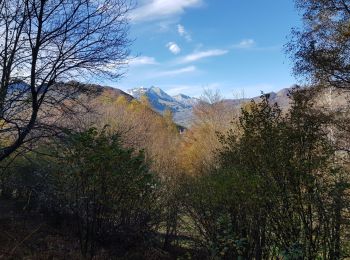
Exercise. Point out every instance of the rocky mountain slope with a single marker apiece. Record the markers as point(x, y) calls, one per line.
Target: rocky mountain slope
point(180, 105)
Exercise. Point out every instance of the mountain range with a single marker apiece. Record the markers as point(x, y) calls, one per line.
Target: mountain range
point(182, 105)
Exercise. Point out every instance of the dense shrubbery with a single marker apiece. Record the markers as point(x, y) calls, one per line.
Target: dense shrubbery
point(108, 188)
point(105, 192)
point(277, 188)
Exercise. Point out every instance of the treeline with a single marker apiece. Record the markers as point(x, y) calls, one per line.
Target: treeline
point(273, 186)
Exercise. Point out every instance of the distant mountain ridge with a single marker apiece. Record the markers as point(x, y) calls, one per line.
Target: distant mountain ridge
point(280, 97)
point(182, 105)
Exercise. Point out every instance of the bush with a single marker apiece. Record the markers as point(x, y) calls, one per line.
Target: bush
point(91, 183)
point(107, 188)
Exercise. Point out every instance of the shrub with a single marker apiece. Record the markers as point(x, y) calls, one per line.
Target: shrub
point(107, 188)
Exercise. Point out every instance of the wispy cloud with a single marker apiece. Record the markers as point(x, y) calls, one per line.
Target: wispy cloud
point(202, 54)
point(160, 9)
point(269, 48)
point(176, 72)
point(183, 32)
point(142, 60)
point(191, 90)
point(251, 45)
point(244, 44)
point(175, 90)
point(173, 47)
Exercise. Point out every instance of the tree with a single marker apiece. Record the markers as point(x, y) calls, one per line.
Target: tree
point(278, 189)
point(45, 42)
point(211, 115)
point(108, 189)
point(321, 48)
point(321, 52)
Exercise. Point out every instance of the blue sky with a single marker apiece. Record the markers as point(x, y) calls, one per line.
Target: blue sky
point(184, 46)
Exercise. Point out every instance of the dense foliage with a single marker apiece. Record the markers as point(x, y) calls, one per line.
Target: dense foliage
point(93, 184)
point(122, 182)
point(277, 186)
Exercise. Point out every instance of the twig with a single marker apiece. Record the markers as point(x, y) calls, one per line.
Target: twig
point(27, 237)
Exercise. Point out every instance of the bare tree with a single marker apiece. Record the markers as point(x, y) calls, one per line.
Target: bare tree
point(45, 43)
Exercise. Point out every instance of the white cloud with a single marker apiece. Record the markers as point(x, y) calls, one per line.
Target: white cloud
point(176, 72)
point(173, 47)
point(183, 33)
point(160, 9)
point(142, 60)
point(175, 90)
point(244, 44)
point(181, 29)
point(191, 90)
point(270, 48)
point(203, 54)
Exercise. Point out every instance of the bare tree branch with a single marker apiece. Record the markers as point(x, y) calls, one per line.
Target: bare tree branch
point(45, 42)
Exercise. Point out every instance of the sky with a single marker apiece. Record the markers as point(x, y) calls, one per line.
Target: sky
point(234, 46)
